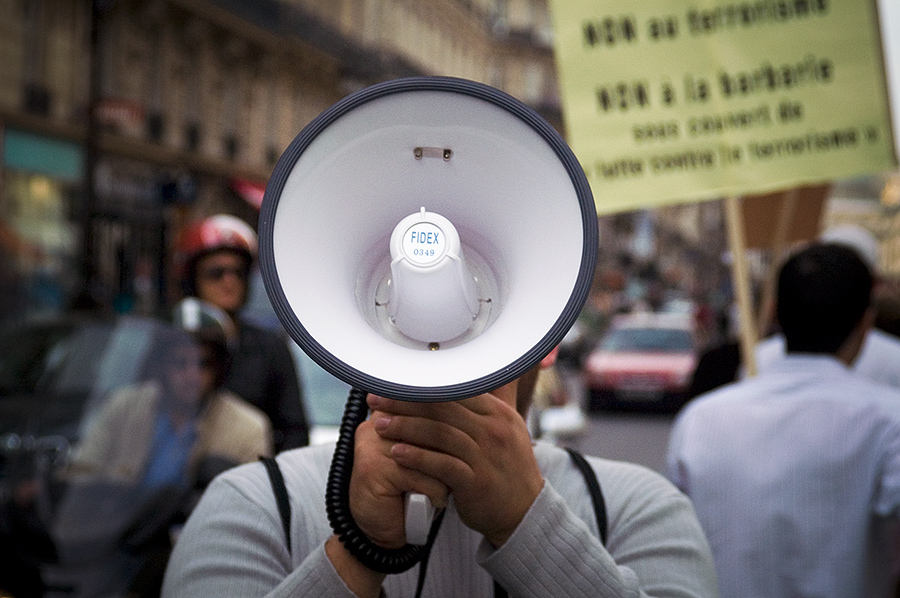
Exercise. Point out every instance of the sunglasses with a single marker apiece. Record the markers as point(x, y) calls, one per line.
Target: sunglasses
point(186, 363)
point(220, 272)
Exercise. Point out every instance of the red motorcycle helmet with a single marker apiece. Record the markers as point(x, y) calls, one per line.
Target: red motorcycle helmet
point(214, 233)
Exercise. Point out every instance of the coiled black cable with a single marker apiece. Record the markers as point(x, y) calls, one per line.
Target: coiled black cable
point(337, 500)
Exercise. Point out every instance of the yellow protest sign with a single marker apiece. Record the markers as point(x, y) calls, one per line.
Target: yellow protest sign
point(668, 101)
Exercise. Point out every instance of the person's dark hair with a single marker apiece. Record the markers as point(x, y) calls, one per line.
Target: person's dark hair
point(823, 292)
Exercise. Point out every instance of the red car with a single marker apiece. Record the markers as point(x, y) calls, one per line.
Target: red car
point(644, 361)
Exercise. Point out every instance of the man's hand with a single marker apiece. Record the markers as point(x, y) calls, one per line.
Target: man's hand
point(377, 487)
point(478, 448)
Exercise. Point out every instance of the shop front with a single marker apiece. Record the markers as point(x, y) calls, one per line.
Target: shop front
point(44, 266)
point(40, 236)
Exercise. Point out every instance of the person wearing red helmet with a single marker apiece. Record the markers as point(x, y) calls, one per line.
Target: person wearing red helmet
point(217, 255)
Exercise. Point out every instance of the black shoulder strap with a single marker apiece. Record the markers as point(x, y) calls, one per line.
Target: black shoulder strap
point(281, 496)
point(590, 478)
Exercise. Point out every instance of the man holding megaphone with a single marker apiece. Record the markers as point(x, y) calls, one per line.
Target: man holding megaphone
point(520, 516)
point(430, 241)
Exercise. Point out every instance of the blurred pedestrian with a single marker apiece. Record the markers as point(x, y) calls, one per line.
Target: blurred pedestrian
point(180, 427)
point(553, 415)
point(218, 253)
point(719, 363)
point(795, 473)
point(143, 462)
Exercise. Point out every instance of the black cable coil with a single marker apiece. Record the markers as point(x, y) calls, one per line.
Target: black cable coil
point(337, 500)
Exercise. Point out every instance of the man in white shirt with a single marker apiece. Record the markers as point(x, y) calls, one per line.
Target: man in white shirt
point(879, 359)
point(795, 473)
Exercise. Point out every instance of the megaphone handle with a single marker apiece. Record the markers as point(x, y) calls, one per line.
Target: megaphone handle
point(419, 516)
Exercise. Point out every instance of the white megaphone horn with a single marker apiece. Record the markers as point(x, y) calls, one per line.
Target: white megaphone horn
point(426, 239)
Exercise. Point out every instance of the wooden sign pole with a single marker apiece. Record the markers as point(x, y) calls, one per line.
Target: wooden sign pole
point(740, 277)
point(779, 245)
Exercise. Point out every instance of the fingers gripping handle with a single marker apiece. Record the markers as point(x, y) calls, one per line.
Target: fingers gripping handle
point(419, 516)
point(337, 500)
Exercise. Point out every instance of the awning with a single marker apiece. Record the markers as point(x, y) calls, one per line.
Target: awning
point(21, 150)
point(250, 191)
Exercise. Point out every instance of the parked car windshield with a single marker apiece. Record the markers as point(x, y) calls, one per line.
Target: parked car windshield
point(646, 340)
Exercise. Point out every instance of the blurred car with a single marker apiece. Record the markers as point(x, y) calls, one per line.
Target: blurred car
point(644, 361)
point(678, 305)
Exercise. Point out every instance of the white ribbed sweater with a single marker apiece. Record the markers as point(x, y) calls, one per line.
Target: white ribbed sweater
point(233, 544)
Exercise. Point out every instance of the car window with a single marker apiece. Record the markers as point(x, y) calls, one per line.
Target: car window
point(324, 395)
point(648, 340)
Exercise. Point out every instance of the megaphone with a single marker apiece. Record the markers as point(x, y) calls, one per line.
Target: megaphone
point(428, 239)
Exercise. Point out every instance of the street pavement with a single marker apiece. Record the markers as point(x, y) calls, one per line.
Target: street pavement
point(635, 437)
point(638, 438)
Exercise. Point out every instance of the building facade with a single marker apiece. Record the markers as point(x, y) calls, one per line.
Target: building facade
point(123, 120)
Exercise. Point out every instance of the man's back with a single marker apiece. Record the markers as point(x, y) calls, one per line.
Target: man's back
point(786, 472)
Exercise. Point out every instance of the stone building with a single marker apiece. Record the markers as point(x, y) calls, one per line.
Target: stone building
point(122, 120)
